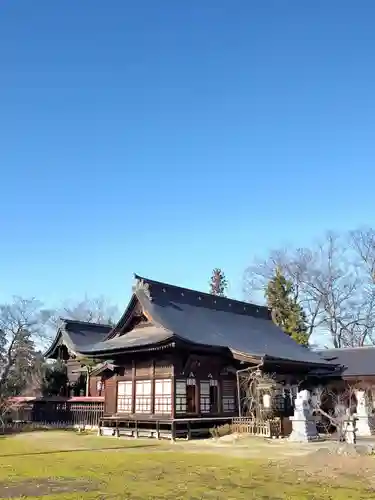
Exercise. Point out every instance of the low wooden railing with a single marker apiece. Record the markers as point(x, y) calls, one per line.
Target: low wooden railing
point(267, 428)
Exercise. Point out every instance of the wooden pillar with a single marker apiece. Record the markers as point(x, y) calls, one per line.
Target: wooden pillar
point(238, 387)
point(157, 429)
point(153, 387)
point(173, 396)
point(197, 396)
point(219, 395)
point(133, 386)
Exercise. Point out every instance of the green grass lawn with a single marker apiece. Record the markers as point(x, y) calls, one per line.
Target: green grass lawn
point(34, 464)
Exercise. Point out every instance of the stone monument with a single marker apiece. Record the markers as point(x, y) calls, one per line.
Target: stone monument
point(363, 414)
point(303, 424)
point(350, 429)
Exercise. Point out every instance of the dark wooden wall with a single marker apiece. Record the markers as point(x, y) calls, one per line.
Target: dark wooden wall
point(97, 386)
point(110, 403)
point(73, 370)
point(177, 365)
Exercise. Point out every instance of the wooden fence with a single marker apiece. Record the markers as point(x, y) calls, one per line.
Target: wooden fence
point(54, 414)
point(267, 428)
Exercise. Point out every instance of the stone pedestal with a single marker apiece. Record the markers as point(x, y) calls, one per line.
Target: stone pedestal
point(303, 424)
point(362, 415)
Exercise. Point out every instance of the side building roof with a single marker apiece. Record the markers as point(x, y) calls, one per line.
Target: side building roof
point(356, 361)
point(202, 319)
point(77, 335)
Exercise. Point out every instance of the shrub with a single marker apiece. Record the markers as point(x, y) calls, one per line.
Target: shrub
point(221, 430)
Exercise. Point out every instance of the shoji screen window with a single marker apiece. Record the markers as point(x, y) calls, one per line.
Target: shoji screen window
point(143, 396)
point(180, 396)
point(124, 397)
point(163, 396)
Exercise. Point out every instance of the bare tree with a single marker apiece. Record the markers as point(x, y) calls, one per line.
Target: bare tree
point(363, 242)
point(254, 385)
point(333, 281)
point(335, 407)
point(22, 326)
point(297, 265)
point(91, 309)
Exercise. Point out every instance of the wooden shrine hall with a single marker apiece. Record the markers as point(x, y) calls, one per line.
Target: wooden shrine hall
point(170, 366)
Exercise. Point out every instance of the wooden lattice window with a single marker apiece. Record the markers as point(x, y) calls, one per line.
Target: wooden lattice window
point(228, 398)
point(209, 396)
point(191, 395)
point(228, 404)
point(180, 397)
point(124, 396)
point(186, 396)
point(143, 396)
point(163, 396)
point(278, 402)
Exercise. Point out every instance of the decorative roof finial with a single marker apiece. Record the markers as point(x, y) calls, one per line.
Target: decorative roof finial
point(141, 286)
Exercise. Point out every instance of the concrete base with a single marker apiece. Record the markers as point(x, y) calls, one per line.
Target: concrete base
point(303, 431)
point(108, 431)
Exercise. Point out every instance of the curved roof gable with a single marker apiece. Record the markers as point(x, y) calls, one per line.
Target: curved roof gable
point(76, 335)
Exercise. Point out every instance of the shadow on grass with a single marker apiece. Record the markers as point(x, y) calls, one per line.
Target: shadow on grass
point(54, 452)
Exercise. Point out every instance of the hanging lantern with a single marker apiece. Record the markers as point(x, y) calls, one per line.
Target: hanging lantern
point(265, 384)
point(266, 401)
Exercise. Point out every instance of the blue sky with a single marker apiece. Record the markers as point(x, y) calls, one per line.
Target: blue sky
point(168, 138)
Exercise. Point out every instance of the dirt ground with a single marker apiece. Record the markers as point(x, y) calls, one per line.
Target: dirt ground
point(43, 487)
point(254, 447)
point(316, 459)
point(232, 445)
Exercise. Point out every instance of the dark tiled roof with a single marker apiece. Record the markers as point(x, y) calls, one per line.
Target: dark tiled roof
point(357, 361)
point(139, 337)
point(76, 335)
point(246, 329)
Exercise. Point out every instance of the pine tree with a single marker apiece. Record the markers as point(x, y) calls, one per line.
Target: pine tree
point(55, 378)
point(286, 312)
point(218, 283)
point(25, 359)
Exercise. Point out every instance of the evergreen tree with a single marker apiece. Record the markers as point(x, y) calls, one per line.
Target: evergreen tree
point(218, 283)
point(286, 312)
point(25, 360)
point(54, 378)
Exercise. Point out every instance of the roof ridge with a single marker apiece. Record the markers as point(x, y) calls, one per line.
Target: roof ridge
point(349, 348)
point(87, 323)
point(224, 300)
